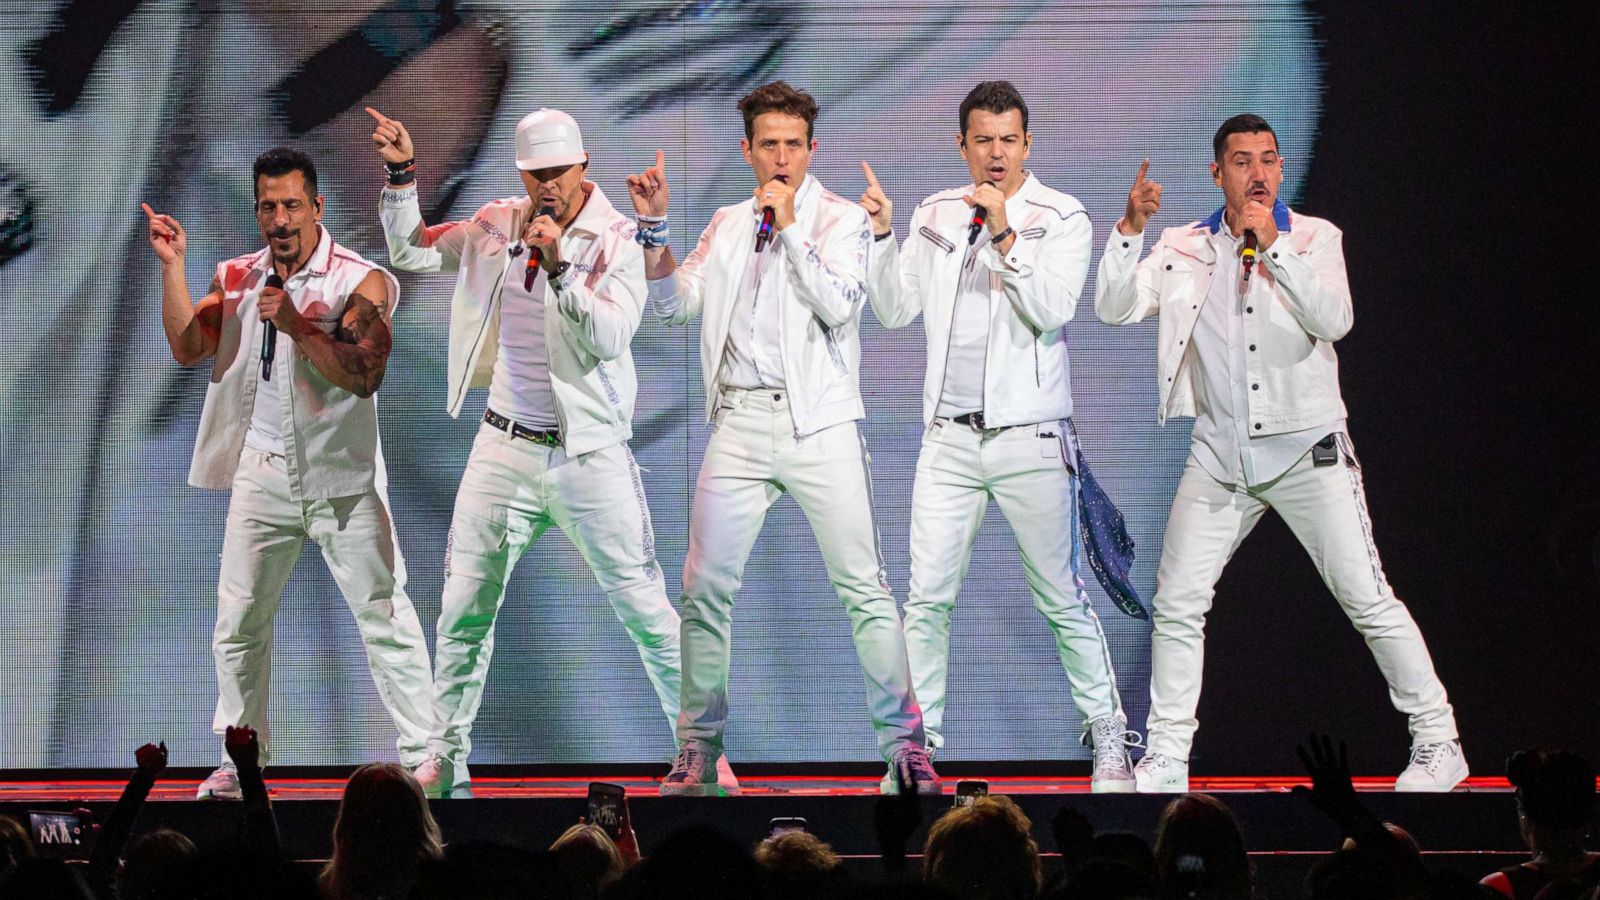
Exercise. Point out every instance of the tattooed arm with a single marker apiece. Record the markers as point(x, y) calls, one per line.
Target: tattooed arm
point(355, 355)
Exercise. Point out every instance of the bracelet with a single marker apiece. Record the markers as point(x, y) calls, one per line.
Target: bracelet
point(995, 241)
point(401, 179)
point(400, 166)
point(657, 235)
point(650, 220)
point(883, 237)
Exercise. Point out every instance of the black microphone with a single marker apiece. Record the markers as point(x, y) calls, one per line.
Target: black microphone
point(534, 256)
point(269, 339)
point(764, 230)
point(979, 214)
point(1248, 254)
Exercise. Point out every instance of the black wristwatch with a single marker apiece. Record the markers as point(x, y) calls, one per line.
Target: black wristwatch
point(555, 277)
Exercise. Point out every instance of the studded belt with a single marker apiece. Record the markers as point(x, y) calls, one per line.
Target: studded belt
point(550, 438)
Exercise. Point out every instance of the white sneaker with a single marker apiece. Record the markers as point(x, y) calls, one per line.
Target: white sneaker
point(725, 777)
point(694, 773)
point(914, 767)
point(1434, 768)
point(1113, 770)
point(223, 784)
point(1158, 773)
point(437, 775)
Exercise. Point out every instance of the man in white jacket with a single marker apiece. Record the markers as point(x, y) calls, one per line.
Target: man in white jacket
point(1246, 348)
point(780, 280)
point(994, 295)
point(550, 292)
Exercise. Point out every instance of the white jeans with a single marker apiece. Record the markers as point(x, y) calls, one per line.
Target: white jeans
point(1022, 468)
point(752, 458)
point(1326, 508)
point(264, 535)
point(512, 491)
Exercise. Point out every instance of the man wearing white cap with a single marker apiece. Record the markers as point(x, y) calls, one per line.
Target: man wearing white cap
point(549, 293)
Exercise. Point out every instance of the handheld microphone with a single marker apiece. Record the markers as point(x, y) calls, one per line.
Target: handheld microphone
point(980, 214)
point(764, 230)
point(534, 256)
point(1248, 254)
point(269, 338)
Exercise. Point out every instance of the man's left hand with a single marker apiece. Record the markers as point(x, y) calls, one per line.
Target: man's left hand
point(989, 197)
point(543, 232)
point(1258, 218)
point(779, 196)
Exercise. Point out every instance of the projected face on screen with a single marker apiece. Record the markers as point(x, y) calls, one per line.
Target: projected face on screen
point(109, 587)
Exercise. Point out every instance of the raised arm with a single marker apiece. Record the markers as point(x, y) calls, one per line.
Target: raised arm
point(1125, 289)
point(892, 287)
point(355, 355)
point(192, 329)
point(674, 290)
point(414, 246)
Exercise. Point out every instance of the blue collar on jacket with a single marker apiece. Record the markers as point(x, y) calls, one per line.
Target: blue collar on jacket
point(1280, 217)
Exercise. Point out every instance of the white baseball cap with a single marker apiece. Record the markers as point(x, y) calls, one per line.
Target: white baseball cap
point(548, 138)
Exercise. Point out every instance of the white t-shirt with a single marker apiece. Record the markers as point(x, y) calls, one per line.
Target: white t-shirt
point(969, 340)
point(266, 419)
point(520, 390)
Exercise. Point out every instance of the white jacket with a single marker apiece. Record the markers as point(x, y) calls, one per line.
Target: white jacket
point(824, 264)
point(330, 435)
point(1033, 292)
point(589, 323)
point(1298, 304)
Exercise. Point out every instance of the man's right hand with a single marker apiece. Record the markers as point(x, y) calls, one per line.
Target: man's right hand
point(649, 189)
point(1143, 202)
point(877, 203)
point(391, 138)
point(166, 236)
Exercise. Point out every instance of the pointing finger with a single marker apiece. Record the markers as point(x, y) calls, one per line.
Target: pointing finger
point(1143, 168)
point(382, 119)
point(661, 162)
point(149, 213)
point(871, 178)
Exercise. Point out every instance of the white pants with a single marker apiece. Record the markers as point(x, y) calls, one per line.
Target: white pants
point(752, 458)
point(264, 535)
point(1023, 469)
point(1326, 508)
point(512, 491)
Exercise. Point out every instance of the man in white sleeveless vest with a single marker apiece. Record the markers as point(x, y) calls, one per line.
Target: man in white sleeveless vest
point(549, 294)
point(995, 269)
point(299, 337)
point(780, 280)
point(1246, 348)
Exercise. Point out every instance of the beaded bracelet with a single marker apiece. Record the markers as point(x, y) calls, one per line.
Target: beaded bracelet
point(657, 235)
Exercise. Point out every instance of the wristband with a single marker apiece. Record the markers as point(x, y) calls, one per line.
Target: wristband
point(400, 166)
point(656, 235)
point(883, 237)
point(995, 241)
point(401, 179)
point(650, 220)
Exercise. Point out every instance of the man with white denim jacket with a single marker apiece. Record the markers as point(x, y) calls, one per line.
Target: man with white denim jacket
point(549, 295)
point(996, 403)
point(779, 280)
point(1246, 348)
point(292, 431)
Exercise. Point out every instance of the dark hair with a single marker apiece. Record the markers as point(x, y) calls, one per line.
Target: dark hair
point(283, 160)
point(778, 97)
point(996, 97)
point(1555, 788)
point(1243, 123)
point(1199, 846)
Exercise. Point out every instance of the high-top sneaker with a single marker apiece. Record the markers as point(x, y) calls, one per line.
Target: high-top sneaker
point(1113, 770)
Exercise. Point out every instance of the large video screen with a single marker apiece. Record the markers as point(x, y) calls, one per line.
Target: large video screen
point(108, 560)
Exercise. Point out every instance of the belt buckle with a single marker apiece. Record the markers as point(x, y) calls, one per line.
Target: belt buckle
point(975, 420)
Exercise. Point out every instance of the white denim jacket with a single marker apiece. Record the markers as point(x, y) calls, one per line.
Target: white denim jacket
point(330, 435)
point(1033, 292)
point(589, 322)
point(824, 267)
point(1297, 305)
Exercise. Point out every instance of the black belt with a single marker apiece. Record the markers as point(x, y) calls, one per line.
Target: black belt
point(973, 420)
point(550, 438)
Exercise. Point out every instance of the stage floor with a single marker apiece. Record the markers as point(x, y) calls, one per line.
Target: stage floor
point(91, 790)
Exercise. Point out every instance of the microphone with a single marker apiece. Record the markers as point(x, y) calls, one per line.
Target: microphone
point(269, 338)
point(764, 230)
point(980, 214)
point(534, 256)
point(1248, 254)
